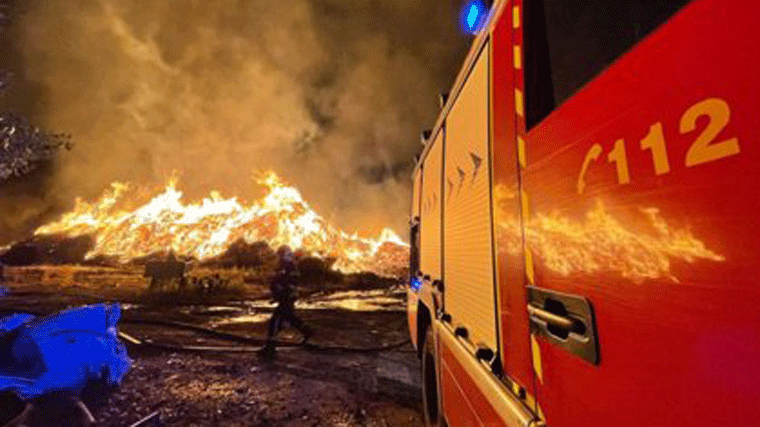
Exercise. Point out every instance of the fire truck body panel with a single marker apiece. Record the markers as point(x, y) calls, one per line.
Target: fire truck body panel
point(430, 236)
point(515, 350)
point(413, 302)
point(431, 255)
point(471, 316)
point(467, 229)
point(412, 314)
point(666, 251)
point(470, 298)
point(618, 269)
point(471, 394)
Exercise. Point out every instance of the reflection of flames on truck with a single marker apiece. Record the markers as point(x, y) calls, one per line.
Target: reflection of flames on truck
point(126, 229)
point(600, 242)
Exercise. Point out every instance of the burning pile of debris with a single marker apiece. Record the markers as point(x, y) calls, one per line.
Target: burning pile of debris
point(48, 249)
point(125, 226)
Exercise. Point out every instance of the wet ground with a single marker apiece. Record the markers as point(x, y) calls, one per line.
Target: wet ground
point(301, 387)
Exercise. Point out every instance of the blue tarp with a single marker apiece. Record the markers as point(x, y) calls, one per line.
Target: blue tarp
point(8, 324)
point(61, 352)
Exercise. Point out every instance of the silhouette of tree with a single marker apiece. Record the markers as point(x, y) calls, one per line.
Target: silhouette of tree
point(22, 146)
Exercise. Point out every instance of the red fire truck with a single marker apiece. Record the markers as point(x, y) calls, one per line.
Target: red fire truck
point(584, 237)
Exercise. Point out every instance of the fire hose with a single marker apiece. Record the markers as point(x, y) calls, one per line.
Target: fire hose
point(237, 338)
point(258, 342)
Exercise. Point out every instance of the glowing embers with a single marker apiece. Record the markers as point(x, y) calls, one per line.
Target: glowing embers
point(602, 243)
point(473, 16)
point(129, 223)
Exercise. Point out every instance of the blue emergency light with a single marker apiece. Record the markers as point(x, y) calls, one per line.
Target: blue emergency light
point(415, 283)
point(472, 16)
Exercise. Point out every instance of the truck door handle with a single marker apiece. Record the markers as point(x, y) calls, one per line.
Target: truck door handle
point(564, 320)
point(561, 322)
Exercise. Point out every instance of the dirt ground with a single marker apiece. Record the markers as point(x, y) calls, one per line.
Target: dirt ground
point(301, 387)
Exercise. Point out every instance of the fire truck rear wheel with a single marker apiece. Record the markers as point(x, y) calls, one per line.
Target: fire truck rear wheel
point(430, 382)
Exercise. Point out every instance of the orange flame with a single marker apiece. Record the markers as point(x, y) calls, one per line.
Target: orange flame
point(206, 229)
point(601, 243)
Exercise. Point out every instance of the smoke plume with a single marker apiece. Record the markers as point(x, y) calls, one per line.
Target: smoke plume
point(330, 94)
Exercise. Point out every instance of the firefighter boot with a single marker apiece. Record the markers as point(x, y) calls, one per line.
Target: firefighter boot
point(268, 352)
point(307, 331)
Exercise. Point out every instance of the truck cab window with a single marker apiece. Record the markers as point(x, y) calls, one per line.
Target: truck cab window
point(569, 42)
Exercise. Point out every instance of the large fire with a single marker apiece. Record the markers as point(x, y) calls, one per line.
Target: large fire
point(126, 229)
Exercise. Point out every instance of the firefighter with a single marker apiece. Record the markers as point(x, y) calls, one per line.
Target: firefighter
point(284, 295)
